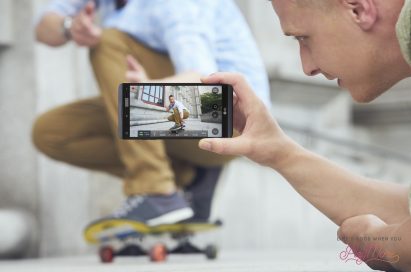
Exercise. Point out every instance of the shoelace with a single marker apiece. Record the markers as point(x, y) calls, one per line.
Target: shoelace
point(128, 205)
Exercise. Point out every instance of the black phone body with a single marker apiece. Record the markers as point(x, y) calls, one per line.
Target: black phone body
point(150, 111)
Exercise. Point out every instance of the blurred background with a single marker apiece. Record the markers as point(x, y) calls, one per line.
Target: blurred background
point(52, 202)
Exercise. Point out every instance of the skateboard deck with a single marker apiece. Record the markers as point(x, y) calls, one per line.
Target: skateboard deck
point(176, 130)
point(106, 232)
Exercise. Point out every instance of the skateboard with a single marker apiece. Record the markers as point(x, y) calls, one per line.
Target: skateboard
point(124, 238)
point(176, 131)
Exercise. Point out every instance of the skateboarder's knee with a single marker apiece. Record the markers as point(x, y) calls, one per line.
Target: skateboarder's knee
point(43, 137)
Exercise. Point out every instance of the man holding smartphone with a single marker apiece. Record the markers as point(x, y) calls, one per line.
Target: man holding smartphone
point(366, 45)
point(142, 41)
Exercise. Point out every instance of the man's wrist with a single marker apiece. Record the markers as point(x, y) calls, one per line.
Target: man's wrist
point(285, 154)
point(66, 27)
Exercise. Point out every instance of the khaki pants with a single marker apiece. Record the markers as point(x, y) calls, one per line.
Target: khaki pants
point(176, 117)
point(84, 133)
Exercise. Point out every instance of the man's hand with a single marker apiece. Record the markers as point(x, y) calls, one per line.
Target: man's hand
point(372, 241)
point(261, 138)
point(84, 31)
point(135, 71)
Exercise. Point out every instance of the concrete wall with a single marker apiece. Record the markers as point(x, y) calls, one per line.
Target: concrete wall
point(18, 171)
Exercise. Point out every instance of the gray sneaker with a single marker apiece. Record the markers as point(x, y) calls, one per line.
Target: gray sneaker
point(154, 210)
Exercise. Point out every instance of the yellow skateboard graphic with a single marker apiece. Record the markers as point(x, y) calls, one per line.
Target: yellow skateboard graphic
point(118, 230)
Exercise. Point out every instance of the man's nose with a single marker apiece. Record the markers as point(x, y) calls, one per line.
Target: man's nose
point(309, 67)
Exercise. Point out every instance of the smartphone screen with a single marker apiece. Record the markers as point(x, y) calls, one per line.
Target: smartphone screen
point(186, 111)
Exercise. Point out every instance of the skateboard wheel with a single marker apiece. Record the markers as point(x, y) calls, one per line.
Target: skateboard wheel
point(211, 252)
point(158, 253)
point(106, 255)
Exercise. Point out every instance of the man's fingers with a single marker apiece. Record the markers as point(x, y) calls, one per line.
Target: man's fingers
point(133, 64)
point(84, 39)
point(240, 85)
point(232, 146)
point(133, 77)
point(95, 32)
point(89, 8)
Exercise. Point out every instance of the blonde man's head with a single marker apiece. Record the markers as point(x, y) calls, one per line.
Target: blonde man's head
point(353, 41)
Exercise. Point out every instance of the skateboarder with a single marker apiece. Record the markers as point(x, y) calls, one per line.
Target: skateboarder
point(367, 46)
point(180, 113)
point(142, 41)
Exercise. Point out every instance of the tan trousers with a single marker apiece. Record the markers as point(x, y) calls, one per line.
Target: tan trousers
point(84, 133)
point(176, 117)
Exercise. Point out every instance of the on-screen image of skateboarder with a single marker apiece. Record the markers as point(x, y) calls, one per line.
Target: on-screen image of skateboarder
point(179, 113)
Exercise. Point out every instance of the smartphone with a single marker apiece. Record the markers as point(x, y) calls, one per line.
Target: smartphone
point(175, 111)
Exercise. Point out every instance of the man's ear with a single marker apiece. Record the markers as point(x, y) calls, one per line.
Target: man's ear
point(363, 12)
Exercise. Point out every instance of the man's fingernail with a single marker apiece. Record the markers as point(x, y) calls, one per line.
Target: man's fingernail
point(205, 145)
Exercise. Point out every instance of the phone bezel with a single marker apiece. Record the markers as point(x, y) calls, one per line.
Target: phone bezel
point(124, 112)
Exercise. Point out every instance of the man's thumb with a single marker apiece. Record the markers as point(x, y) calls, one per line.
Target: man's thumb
point(90, 8)
point(133, 64)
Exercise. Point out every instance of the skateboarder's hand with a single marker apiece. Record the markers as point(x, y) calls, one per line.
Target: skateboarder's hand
point(84, 31)
point(261, 139)
point(135, 71)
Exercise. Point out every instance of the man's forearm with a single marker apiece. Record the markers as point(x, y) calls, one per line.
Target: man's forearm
point(402, 248)
point(49, 30)
point(340, 194)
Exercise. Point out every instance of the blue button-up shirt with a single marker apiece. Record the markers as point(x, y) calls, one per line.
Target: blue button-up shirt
point(199, 35)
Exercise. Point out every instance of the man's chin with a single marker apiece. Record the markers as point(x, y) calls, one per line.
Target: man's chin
point(365, 94)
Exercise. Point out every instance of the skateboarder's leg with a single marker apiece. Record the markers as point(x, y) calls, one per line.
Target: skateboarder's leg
point(78, 133)
point(186, 114)
point(149, 180)
point(171, 118)
point(146, 162)
point(177, 116)
point(198, 174)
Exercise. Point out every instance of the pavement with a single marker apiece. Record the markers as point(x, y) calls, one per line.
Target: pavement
point(193, 126)
point(234, 261)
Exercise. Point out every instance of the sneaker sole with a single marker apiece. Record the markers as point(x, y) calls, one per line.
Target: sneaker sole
point(171, 217)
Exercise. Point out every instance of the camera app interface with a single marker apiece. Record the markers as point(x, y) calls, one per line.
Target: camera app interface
point(175, 111)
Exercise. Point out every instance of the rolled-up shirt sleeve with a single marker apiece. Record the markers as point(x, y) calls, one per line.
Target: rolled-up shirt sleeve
point(188, 34)
point(61, 7)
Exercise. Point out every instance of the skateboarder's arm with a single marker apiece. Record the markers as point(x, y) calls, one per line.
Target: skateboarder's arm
point(49, 30)
point(336, 192)
point(83, 31)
